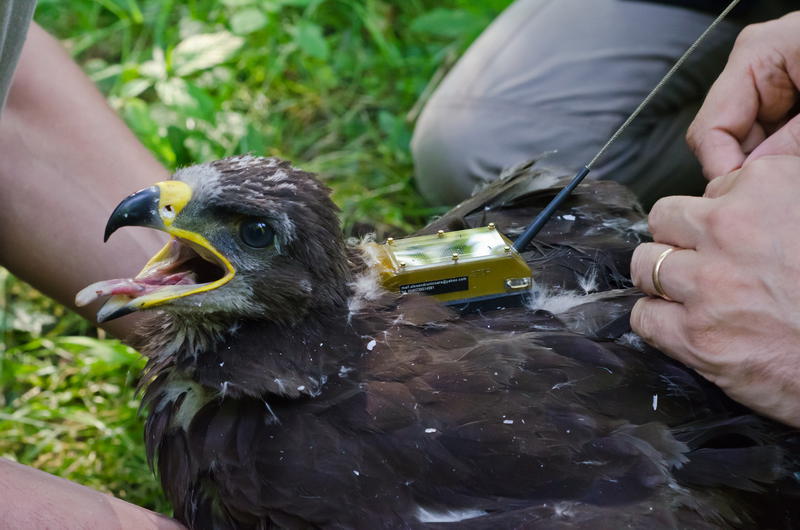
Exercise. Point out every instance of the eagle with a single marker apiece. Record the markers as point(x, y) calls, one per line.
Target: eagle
point(286, 388)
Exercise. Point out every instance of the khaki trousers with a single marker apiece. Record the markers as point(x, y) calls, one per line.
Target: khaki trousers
point(562, 75)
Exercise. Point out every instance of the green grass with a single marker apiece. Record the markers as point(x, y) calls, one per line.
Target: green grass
point(333, 85)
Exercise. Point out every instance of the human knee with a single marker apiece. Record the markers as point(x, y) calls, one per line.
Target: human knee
point(443, 157)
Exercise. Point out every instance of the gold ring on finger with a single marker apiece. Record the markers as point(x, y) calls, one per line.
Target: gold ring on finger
point(657, 274)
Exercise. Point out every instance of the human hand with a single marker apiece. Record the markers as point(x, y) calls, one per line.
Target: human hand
point(735, 283)
point(748, 112)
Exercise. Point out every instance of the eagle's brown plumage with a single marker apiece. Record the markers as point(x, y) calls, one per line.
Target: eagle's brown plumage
point(299, 395)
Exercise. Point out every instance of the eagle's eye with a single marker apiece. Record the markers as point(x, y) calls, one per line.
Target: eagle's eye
point(256, 234)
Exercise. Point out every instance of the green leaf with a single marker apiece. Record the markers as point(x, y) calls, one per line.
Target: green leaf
point(450, 23)
point(133, 88)
point(201, 52)
point(26, 317)
point(253, 141)
point(248, 20)
point(98, 70)
point(398, 135)
point(310, 40)
point(155, 68)
point(187, 98)
point(201, 148)
point(176, 137)
point(103, 354)
point(137, 116)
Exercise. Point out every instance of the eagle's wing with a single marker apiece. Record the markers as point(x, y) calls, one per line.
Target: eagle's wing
point(536, 426)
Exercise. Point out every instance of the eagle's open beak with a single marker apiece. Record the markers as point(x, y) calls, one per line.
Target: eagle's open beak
point(188, 264)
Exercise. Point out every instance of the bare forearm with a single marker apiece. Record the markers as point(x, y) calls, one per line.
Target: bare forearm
point(65, 161)
point(33, 499)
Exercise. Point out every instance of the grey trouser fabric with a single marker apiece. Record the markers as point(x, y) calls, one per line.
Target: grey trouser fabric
point(15, 17)
point(563, 75)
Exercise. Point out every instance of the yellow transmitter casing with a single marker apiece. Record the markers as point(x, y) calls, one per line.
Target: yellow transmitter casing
point(474, 266)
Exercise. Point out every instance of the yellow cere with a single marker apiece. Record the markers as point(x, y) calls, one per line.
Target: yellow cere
point(173, 197)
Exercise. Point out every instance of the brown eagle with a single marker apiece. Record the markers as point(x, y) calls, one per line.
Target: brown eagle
point(287, 389)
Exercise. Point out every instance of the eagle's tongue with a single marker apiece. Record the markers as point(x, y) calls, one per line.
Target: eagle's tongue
point(125, 286)
point(131, 287)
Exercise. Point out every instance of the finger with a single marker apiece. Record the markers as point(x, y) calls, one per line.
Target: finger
point(784, 141)
point(723, 122)
point(676, 273)
point(662, 324)
point(722, 185)
point(678, 221)
point(755, 86)
point(754, 138)
point(718, 151)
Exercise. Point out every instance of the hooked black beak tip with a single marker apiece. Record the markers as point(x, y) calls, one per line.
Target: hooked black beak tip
point(104, 315)
point(138, 209)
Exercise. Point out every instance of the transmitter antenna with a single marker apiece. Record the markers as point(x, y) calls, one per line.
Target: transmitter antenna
point(545, 215)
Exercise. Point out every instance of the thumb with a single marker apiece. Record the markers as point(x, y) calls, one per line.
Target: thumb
point(784, 141)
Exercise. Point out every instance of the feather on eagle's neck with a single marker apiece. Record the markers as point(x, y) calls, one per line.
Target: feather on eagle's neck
point(252, 357)
point(258, 357)
point(166, 336)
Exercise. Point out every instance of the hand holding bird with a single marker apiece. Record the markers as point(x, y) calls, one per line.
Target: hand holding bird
point(732, 284)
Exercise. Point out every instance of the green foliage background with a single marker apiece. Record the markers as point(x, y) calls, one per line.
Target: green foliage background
point(333, 85)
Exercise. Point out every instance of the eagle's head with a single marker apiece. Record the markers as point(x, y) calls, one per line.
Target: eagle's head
point(251, 237)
